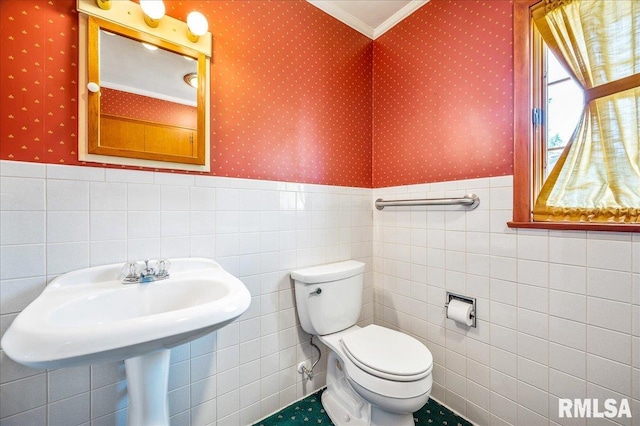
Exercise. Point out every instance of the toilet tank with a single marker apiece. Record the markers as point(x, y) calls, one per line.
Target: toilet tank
point(329, 297)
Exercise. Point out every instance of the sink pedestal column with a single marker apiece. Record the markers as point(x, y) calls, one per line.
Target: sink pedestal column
point(147, 385)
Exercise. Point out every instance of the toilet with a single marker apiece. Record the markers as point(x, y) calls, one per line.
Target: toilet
point(375, 375)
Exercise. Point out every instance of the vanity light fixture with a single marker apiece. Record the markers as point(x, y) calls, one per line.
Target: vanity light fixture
point(153, 11)
point(191, 79)
point(197, 26)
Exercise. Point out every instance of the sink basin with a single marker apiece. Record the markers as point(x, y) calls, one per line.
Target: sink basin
point(88, 316)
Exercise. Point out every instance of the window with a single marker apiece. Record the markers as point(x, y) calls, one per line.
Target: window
point(556, 109)
point(552, 124)
point(562, 109)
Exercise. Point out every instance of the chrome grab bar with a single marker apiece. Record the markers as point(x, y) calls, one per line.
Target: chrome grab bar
point(469, 200)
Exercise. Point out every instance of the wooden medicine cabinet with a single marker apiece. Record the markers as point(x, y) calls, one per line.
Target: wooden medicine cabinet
point(136, 97)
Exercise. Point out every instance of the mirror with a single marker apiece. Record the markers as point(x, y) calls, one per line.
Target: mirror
point(143, 109)
point(156, 111)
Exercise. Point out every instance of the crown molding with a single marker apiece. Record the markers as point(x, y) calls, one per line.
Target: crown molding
point(341, 15)
point(397, 17)
point(346, 18)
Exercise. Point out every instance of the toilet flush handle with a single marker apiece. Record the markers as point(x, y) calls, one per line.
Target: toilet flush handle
point(317, 291)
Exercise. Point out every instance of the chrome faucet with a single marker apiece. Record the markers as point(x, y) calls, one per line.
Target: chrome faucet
point(133, 275)
point(147, 272)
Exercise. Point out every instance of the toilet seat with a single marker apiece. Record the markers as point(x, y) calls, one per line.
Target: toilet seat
point(393, 389)
point(388, 354)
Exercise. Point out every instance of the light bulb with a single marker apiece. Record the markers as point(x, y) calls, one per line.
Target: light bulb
point(153, 11)
point(197, 26)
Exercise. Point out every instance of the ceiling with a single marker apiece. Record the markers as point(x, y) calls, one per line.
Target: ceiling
point(370, 17)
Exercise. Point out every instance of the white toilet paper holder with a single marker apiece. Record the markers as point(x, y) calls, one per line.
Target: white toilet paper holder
point(462, 298)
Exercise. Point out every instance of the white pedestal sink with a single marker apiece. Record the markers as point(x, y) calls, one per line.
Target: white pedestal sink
point(88, 316)
point(147, 385)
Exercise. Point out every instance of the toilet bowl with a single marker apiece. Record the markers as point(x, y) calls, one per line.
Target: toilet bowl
point(383, 368)
point(375, 375)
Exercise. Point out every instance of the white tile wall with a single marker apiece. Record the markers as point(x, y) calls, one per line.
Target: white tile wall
point(558, 312)
point(58, 218)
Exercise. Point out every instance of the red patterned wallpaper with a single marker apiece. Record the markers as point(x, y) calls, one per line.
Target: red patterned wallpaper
point(443, 105)
point(125, 104)
point(291, 89)
point(38, 89)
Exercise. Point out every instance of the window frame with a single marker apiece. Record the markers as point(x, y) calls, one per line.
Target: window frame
point(527, 137)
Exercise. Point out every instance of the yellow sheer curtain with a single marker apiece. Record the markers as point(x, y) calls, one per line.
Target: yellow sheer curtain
point(597, 177)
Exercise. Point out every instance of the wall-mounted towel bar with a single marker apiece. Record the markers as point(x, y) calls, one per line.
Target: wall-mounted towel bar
point(469, 200)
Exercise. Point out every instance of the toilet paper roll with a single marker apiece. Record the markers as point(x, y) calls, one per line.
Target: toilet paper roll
point(460, 311)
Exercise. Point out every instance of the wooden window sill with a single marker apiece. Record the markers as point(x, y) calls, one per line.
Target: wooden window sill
point(567, 226)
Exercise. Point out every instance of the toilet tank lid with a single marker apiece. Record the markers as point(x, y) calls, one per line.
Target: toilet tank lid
point(329, 272)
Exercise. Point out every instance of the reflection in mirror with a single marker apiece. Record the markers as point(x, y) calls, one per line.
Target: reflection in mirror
point(143, 106)
point(156, 111)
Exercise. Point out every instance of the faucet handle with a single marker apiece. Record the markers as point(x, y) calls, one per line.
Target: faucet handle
point(130, 272)
point(163, 266)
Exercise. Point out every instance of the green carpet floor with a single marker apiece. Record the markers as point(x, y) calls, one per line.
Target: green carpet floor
point(309, 411)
